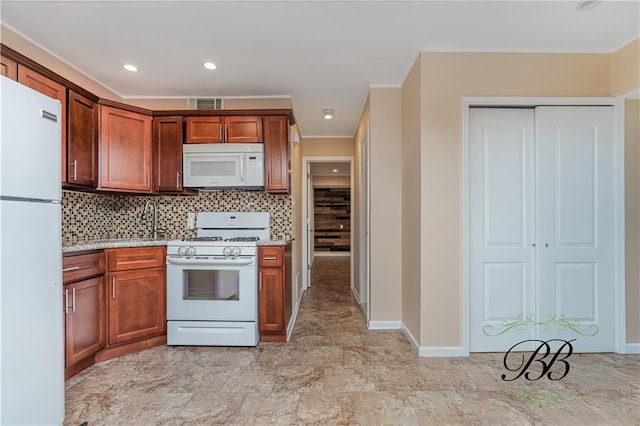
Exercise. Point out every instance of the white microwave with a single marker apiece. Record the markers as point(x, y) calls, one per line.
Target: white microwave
point(223, 165)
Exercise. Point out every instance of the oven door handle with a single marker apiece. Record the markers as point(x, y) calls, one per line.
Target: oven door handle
point(229, 262)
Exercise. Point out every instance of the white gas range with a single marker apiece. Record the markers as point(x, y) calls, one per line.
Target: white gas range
point(212, 289)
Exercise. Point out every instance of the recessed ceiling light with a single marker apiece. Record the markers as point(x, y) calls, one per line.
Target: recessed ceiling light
point(327, 113)
point(209, 65)
point(335, 170)
point(130, 67)
point(585, 5)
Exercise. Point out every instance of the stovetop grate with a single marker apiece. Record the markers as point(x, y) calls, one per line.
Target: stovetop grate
point(195, 239)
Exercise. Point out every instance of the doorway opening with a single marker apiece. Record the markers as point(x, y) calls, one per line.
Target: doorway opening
point(327, 224)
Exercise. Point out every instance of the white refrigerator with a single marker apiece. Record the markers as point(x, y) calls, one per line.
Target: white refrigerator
point(31, 320)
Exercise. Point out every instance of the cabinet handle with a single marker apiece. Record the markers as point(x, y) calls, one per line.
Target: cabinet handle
point(66, 301)
point(73, 299)
point(220, 132)
point(149, 180)
point(71, 268)
point(226, 133)
point(268, 178)
point(75, 169)
point(270, 258)
point(260, 280)
point(178, 180)
point(113, 287)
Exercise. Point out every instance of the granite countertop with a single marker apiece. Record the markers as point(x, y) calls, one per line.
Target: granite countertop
point(141, 242)
point(113, 243)
point(274, 242)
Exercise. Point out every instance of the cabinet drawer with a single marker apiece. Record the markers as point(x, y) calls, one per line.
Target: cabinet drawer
point(79, 266)
point(270, 256)
point(124, 259)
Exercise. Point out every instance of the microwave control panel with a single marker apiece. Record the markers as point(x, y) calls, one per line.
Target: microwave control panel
point(255, 173)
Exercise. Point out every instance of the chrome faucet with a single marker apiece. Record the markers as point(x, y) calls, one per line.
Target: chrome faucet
point(156, 231)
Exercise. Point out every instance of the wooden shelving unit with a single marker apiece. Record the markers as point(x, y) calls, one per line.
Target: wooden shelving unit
point(332, 217)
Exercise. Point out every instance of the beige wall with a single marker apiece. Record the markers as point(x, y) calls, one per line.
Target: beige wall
point(386, 201)
point(327, 147)
point(446, 78)
point(625, 69)
point(411, 201)
point(632, 222)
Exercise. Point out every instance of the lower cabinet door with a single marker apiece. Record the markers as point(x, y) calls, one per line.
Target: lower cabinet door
point(271, 309)
point(85, 319)
point(136, 301)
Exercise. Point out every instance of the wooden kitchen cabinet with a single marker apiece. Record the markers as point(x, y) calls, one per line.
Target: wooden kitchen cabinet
point(276, 154)
point(125, 151)
point(224, 129)
point(135, 299)
point(274, 292)
point(8, 68)
point(82, 143)
point(84, 305)
point(167, 145)
point(48, 87)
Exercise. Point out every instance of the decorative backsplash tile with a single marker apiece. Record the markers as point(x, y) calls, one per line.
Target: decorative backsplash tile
point(87, 216)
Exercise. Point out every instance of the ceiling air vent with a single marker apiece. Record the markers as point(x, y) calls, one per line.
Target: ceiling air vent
point(205, 103)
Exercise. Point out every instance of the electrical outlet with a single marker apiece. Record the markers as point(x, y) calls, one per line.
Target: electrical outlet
point(191, 220)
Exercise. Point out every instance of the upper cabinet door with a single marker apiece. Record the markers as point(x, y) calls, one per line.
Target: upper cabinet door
point(243, 129)
point(82, 146)
point(125, 150)
point(233, 129)
point(276, 158)
point(54, 90)
point(167, 145)
point(8, 68)
point(204, 129)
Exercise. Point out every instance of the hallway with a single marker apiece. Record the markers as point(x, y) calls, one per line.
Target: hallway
point(335, 371)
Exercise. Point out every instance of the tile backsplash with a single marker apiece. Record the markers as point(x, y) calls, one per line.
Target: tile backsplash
point(88, 216)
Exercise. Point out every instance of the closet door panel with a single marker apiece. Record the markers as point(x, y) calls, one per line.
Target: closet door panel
point(501, 226)
point(575, 176)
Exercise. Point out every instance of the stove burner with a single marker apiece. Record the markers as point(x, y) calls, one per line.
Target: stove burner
point(242, 239)
point(203, 239)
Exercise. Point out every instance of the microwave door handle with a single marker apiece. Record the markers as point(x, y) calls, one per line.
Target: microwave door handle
point(243, 158)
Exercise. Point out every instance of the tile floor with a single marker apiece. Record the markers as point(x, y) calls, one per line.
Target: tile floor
point(335, 371)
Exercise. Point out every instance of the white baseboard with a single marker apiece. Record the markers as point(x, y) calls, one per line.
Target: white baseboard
point(385, 325)
point(432, 351)
point(331, 254)
point(411, 338)
point(441, 351)
point(632, 349)
point(294, 316)
point(423, 351)
point(355, 294)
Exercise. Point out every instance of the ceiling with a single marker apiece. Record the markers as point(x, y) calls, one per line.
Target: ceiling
point(321, 54)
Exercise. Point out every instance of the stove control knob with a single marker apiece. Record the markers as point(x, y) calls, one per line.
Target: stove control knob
point(182, 250)
point(191, 251)
point(226, 251)
point(236, 251)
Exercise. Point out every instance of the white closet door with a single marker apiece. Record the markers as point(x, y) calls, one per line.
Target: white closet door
point(575, 232)
point(541, 234)
point(501, 221)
